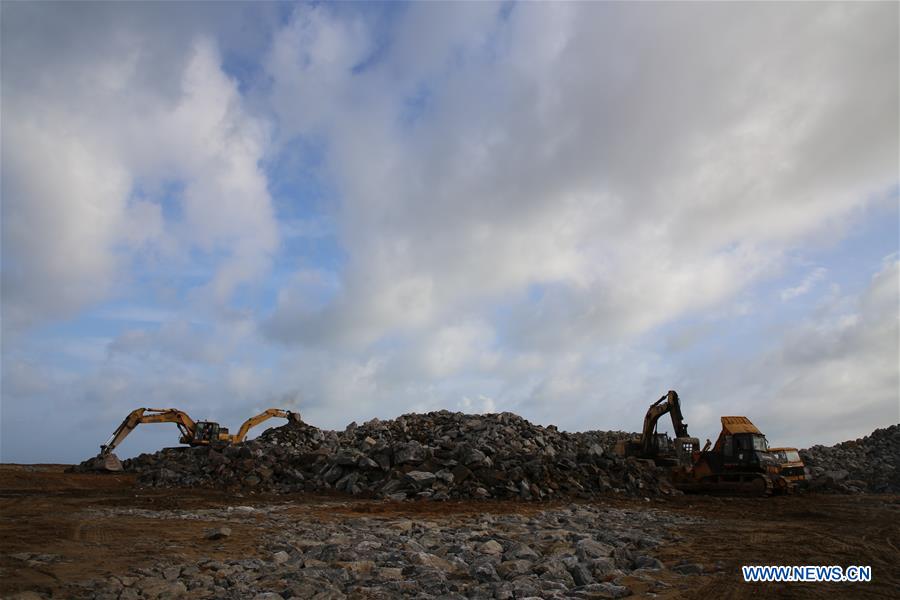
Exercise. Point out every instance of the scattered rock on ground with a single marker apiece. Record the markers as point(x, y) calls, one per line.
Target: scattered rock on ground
point(539, 555)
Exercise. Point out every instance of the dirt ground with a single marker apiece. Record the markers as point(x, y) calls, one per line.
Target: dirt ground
point(44, 510)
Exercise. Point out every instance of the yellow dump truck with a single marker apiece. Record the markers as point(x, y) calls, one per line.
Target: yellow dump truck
point(740, 462)
point(792, 467)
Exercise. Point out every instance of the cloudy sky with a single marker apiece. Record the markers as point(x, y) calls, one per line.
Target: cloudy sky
point(362, 210)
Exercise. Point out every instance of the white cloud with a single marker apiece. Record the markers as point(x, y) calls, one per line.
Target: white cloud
point(62, 221)
point(175, 340)
point(584, 174)
point(814, 277)
point(482, 404)
point(97, 143)
point(452, 347)
point(832, 377)
point(626, 161)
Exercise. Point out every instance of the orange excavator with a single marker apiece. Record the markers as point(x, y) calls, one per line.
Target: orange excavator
point(193, 433)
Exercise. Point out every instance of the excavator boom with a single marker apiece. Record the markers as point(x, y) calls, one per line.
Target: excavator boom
point(148, 415)
point(263, 416)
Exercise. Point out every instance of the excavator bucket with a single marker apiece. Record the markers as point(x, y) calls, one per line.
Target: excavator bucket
point(109, 463)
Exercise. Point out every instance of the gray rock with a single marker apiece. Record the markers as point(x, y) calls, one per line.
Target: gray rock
point(647, 562)
point(512, 568)
point(219, 533)
point(688, 569)
point(580, 574)
point(485, 572)
point(491, 547)
point(412, 452)
point(472, 457)
point(420, 479)
point(555, 571)
point(154, 587)
point(521, 551)
point(525, 588)
point(364, 462)
point(605, 590)
point(435, 562)
point(587, 549)
point(358, 568)
point(601, 567)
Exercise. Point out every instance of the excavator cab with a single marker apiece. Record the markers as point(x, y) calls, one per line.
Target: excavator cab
point(661, 444)
point(206, 433)
point(684, 449)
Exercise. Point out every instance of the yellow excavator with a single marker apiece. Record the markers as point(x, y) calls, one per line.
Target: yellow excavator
point(658, 447)
point(193, 433)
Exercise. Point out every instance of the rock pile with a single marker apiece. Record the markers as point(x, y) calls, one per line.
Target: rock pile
point(438, 455)
point(869, 464)
point(579, 551)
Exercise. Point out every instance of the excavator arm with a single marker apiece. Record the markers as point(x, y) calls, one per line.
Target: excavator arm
point(667, 404)
point(264, 416)
point(678, 423)
point(148, 415)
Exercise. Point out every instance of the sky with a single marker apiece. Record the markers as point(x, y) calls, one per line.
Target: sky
point(360, 210)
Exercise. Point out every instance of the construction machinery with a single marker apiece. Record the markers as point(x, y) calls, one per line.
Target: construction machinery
point(193, 433)
point(656, 446)
point(792, 467)
point(740, 462)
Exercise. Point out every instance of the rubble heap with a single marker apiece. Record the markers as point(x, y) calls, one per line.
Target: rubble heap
point(868, 464)
point(438, 455)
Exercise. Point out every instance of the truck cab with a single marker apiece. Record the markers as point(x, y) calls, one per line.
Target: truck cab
point(791, 465)
point(747, 449)
point(743, 447)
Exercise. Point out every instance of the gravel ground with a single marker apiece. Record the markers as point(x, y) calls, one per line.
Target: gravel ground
point(578, 551)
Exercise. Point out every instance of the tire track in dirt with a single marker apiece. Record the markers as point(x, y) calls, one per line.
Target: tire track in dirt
point(833, 530)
